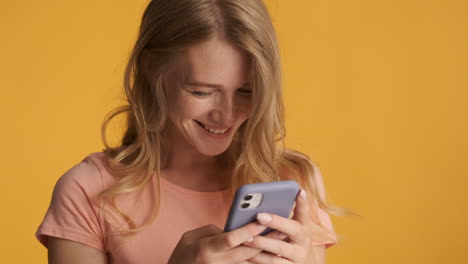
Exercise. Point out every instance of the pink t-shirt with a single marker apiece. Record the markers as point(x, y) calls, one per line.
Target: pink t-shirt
point(72, 214)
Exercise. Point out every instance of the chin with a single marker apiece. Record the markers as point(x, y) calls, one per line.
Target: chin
point(211, 150)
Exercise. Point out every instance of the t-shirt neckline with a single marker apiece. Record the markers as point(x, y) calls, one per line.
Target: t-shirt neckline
point(192, 193)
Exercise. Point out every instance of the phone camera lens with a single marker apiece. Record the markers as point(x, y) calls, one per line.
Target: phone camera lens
point(245, 205)
point(248, 197)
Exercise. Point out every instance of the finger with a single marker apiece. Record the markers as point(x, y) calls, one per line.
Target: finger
point(302, 209)
point(254, 251)
point(278, 247)
point(234, 238)
point(246, 252)
point(290, 227)
point(267, 258)
point(275, 235)
point(240, 253)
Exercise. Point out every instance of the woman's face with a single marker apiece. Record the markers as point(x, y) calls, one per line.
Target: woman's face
point(211, 98)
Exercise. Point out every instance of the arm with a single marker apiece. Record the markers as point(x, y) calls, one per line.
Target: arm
point(70, 252)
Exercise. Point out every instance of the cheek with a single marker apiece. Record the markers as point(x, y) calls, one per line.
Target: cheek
point(245, 108)
point(188, 107)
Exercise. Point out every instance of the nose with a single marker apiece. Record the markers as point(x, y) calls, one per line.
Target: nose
point(225, 110)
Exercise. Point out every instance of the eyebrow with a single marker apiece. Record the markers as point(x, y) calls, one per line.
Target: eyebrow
point(210, 85)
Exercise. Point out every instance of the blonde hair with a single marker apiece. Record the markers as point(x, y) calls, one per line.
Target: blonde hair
point(258, 151)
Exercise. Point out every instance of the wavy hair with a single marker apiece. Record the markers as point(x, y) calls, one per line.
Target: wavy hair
point(257, 152)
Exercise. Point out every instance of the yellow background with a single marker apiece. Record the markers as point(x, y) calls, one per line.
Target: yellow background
point(376, 93)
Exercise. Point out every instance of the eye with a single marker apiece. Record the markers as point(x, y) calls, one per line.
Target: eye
point(245, 91)
point(199, 94)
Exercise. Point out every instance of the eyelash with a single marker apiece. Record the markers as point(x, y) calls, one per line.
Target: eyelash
point(201, 94)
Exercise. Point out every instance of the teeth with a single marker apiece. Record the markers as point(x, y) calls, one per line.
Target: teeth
point(216, 131)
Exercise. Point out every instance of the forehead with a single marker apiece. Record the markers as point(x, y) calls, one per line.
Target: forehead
point(216, 61)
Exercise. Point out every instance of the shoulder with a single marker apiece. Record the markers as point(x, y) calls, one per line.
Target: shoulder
point(74, 212)
point(87, 176)
point(84, 171)
point(300, 162)
point(299, 156)
point(303, 166)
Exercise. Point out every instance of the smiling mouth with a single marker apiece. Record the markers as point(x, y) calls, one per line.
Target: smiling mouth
point(200, 124)
point(210, 130)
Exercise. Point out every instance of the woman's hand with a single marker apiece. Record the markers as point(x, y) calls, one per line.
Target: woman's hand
point(209, 244)
point(297, 248)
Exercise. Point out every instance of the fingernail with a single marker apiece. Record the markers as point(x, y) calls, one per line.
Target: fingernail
point(249, 240)
point(261, 227)
point(303, 194)
point(262, 217)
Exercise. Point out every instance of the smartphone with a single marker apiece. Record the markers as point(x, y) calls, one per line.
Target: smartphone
point(276, 197)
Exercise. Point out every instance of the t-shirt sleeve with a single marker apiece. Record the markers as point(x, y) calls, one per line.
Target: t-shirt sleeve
point(327, 236)
point(72, 213)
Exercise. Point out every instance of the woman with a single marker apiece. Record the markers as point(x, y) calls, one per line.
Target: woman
point(204, 116)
